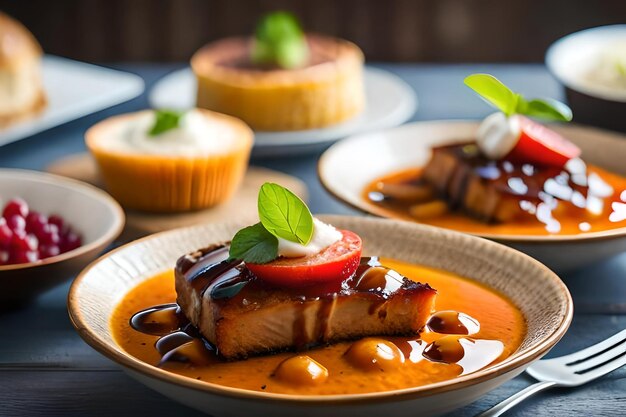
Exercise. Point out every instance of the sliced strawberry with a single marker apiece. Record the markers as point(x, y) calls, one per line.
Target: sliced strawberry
point(332, 265)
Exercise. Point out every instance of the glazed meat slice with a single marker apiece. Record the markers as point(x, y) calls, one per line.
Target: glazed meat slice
point(242, 316)
point(488, 190)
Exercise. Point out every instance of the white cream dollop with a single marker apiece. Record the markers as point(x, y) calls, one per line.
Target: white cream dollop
point(196, 134)
point(498, 135)
point(324, 235)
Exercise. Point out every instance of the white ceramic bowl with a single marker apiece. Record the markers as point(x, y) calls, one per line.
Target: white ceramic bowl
point(538, 292)
point(571, 58)
point(347, 167)
point(90, 211)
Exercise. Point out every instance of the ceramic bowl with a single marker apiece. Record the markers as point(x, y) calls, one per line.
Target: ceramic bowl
point(89, 210)
point(538, 292)
point(570, 58)
point(346, 168)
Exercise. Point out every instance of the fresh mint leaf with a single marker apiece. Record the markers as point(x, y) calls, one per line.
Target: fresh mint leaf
point(547, 109)
point(279, 40)
point(165, 120)
point(494, 92)
point(508, 102)
point(284, 215)
point(254, 244)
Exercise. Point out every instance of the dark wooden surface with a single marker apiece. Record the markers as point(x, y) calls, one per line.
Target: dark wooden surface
point(389, 30)
point(46, 369)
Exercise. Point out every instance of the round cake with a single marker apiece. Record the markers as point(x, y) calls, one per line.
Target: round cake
point(21, 89)
point(327, 90)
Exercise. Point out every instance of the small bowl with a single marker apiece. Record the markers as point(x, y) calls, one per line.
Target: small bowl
point(89, 210)
point(534, 289)
point(347, 167)
point(569, 58)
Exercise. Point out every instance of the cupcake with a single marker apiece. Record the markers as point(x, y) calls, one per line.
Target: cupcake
point(164, 161)
point(21, 88)
point(281, 79)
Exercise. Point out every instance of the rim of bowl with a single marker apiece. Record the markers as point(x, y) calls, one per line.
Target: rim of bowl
point(88, 189)
point(499, 237)
point(604, 93)
point(514, 361)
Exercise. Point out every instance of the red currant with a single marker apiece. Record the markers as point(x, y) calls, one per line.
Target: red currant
point(35, 222)
point(16, 223)
point(17, 206)
point(46, 251)
point(23, 257)
point(6, 234)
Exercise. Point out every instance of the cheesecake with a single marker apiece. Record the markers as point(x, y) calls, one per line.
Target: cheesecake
point(327, 89)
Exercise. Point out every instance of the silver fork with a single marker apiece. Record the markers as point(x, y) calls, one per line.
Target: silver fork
point(571, 370)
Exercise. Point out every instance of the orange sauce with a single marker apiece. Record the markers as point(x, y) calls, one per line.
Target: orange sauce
point(573, 220)
point(337, 370)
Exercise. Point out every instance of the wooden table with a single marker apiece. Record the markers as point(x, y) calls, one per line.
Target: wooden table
point(47, 370)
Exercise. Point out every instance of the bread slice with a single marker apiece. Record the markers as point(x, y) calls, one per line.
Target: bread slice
point(261, 319)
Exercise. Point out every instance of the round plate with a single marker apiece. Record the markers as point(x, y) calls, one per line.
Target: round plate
point(390, 102)
point(540, 295)
point(346, 168)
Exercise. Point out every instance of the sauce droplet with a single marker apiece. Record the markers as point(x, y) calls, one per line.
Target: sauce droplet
point(301, 370)
point(158, 320)
point(448, 349)
point(373, 354)
point(453, 322)
point(188, 355)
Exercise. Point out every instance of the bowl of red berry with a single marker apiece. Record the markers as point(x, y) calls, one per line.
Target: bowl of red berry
point(50, 228)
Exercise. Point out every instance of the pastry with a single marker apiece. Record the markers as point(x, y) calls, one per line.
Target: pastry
point(166, 161)
point(323, 87)
point(21, 87)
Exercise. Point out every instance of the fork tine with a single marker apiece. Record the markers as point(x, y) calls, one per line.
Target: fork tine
point(591, 351)
point(595, 361)
point(605, 369)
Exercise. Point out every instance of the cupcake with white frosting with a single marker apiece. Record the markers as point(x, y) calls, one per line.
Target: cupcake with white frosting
point(166, 161)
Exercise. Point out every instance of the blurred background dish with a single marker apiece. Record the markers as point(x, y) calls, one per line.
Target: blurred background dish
point(74, 89)
point(281, 78)
point(91, 213)
point(168, 161)
point(390, 102)
point(347, 168)
point(591, 65)
point(37, 94)
point(21, 89)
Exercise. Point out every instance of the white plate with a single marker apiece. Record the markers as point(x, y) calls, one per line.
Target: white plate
point(390, 102)
point(346, 168)
point(74, 89)
point(537, 292)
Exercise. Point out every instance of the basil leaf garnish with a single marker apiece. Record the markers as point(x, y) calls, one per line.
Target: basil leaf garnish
point(508, 102)
point(165, 120)
point(280, 41)
point(254, 244)
point(284, 215)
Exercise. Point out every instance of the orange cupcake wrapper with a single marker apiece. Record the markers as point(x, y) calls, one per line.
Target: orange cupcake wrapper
point(171, 184)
